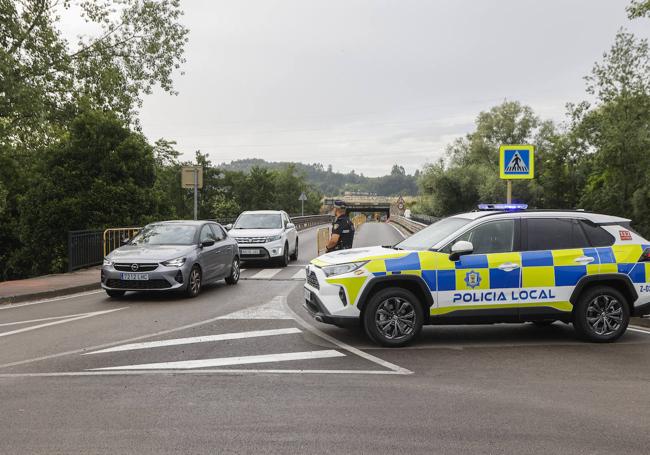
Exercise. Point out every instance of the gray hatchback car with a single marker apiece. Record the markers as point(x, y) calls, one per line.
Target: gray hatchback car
point(172, 255)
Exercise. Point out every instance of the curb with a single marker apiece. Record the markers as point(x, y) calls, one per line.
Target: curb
point(47, 294)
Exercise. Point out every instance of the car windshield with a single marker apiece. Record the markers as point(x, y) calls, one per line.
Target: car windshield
point(166, 234)
point(259, 221)
point(429, 236)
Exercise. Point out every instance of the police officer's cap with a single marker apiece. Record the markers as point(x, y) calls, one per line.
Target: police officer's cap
point(339, 204)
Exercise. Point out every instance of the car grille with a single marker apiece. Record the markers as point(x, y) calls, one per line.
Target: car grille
point(312, 280)
point(148, 267)
point(137, 284)
point(250, 239)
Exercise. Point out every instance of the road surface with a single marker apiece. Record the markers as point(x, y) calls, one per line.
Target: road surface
point(243, 369)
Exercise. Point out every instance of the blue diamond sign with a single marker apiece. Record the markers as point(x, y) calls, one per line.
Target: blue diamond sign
point(517, 161)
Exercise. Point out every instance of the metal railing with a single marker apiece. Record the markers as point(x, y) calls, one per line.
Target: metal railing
point(116, 237)
point(84, 249)
point(307, 221)
point(409, 225)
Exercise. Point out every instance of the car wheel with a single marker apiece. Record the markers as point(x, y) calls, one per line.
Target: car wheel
point(115, 294)
point(601, 315)
point(285, 257)
point(294, 256)
point(234, 272)
point(194, 282)
point(393, 317)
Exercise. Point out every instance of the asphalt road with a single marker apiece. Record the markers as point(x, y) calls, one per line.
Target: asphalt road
point(242, 369)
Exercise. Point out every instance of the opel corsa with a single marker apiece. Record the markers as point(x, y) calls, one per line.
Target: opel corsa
point(172, 256)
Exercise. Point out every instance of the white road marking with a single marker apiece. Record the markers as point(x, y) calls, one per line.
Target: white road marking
point(224, 361)
point(114, 343)
point(395, 227)
point(301, 275)
point(275, 309)
point(9, 306)
point(61, 321)
point(199, 339)
point(41, 319)
point(223, 371)
point(345, 346)
point(638, 330)
point(265, 274)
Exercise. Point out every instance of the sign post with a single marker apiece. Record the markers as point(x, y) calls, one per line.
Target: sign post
point(302, 199)
point(516, 162)
point(192, 177)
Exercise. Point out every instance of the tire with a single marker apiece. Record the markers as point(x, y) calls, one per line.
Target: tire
point(601, 315)
point(233, 278)
point(386, 308)
point(115, 294)
point(194, 282)
point(294, 256)
point(284, 261)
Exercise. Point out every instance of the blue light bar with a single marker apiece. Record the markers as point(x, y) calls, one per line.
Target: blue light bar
point(507, 207)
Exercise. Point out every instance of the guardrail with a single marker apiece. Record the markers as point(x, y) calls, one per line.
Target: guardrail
point(84, 249)
point(307, 221)
point(424, 219)
point(408, 225)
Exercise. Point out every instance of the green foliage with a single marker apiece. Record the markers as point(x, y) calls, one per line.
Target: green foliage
point(333, 183)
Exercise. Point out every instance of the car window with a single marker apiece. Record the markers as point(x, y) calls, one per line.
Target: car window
point(597, 235)
point(554, 234)
point(218, 232)
point(206, 234)
point(491, 237)
point(258, 221)
point(166, 234)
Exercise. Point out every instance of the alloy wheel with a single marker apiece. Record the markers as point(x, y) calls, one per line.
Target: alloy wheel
point(195, 281)
point(604, 315)
point(395, 318)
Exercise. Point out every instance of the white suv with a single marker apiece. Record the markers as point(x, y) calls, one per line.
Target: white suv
point(265, 235)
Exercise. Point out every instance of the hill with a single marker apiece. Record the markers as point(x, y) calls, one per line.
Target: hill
point(398, 182)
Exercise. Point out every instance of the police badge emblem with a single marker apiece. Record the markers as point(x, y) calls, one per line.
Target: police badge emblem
point(472, 279)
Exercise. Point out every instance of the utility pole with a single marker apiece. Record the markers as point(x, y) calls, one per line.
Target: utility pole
point(196, 192)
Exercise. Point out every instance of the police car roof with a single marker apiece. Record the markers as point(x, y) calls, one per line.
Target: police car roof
point(596, 218)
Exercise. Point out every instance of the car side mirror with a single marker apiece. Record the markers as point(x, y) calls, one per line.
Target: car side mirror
point(290, 225)
point(207, 243)
point(460, 248)
point(228, 226)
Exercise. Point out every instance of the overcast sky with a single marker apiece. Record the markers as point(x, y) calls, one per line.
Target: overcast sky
point(365, 84)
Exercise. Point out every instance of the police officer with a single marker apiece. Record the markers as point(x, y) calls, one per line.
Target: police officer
point(342, 229)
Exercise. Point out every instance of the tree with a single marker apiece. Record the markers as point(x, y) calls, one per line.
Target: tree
point(638, 8)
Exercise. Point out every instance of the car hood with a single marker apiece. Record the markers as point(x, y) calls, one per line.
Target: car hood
point(149, 253)
point(254, 232)
point(359, 254)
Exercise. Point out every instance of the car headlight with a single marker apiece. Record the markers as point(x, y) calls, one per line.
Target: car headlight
point(340, 269)
point(178, 262)
point(273, 238)
point(107, 262)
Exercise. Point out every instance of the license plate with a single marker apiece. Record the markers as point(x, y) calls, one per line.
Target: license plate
point(250, 251)
point(134, 276)
point(308, 295)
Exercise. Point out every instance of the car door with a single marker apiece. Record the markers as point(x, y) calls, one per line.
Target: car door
point(557, 254)
point(486, 282)
point(291, 232)
point(208, 256)
point(224, 251)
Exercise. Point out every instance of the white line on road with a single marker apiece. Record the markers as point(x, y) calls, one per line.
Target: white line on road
point(265, 274)
point(391, 366)
point(301, 275)
point(398, 231)
point(638, 330)
point(224, 361)
point(63, 321)
point(275, 309)
point(223, 371)
point(41, 319)
point(10, 306)
point(200, 339)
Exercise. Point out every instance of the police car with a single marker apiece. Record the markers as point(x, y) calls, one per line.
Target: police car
point(499, 264)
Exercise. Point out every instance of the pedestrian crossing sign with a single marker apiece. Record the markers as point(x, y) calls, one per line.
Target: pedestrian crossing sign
point(516, 161)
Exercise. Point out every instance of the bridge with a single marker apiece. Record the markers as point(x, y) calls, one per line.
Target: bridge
point(368, 204)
